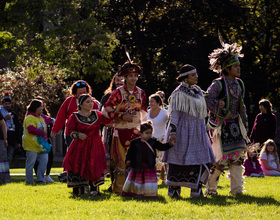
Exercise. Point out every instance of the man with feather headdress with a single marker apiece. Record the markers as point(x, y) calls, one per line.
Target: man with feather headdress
point(227, 117)
point(127, 105)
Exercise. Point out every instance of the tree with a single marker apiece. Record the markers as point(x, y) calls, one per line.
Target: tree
point(260, 30)
point(32, 79)
point(62, 33)
point(163, 35)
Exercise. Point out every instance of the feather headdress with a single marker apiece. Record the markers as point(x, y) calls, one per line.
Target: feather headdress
point(224, 57)
point(129, 66)
point(253, 147)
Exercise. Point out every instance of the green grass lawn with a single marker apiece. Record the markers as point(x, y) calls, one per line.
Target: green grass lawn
point(54, 201)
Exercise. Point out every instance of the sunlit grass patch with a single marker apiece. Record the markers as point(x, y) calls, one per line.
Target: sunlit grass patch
point(55, 201)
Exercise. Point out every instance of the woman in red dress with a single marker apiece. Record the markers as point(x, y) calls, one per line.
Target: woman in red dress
point(85, 158)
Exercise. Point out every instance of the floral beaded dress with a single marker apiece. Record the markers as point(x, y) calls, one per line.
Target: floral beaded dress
point(85, 159)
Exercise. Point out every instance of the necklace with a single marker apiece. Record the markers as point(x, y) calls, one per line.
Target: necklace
point(86, 116)
point(234, 89)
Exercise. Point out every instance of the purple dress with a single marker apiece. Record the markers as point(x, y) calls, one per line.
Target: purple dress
point(191, 154)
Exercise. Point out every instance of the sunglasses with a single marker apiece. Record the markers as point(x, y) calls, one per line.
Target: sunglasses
point(80, 83)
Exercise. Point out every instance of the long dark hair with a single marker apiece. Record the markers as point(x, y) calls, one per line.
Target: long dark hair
point(45, 110)
point(267, 104)
point(112, 86)
point(34, 104)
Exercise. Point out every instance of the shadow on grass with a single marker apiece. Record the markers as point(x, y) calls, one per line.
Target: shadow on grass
point(104, 195)
point(231, 200)
point(20, 179)
point(159, 198)
point(17, 179)
point(163, 186)
point(107, 196)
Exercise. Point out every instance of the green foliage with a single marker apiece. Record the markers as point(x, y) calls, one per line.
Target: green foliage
point(62, 33)
point(86, 38)
point(54, 201)
point(32, 79)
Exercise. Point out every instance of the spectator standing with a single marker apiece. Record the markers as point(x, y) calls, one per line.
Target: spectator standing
point(162, 95)
point(277, 136)
point(159, 117)
point(49, 122)
point(265, 123)
point(13, 126)
point(4, 163)
point(35, 141)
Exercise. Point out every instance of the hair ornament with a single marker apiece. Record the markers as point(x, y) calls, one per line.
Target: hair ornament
point(224, 57)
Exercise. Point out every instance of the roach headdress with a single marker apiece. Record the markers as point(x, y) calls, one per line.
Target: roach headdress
point(224, 57)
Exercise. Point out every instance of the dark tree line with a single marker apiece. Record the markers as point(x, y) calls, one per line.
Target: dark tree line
point(163, 35)
point(86, 38)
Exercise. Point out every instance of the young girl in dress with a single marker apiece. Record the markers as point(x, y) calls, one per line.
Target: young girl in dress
point(269, 159)
point(141, 158)
point(252, 165)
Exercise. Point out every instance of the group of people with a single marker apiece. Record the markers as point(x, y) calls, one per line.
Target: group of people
point(263, 133)
point(134, 134)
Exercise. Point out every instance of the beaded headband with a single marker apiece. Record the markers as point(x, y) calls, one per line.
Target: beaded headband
point(231, 61)
point(186, 73)
point(130, 70)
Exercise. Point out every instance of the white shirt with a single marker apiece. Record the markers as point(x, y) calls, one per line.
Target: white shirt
point(159, 123)
point(271, 160)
